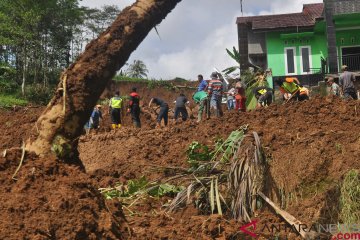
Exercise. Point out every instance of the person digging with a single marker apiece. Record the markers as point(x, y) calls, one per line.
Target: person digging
point(202, 99)
point(164, 110)
point(264, 96)
point(180, 107)
point(292, 89)
point(115, 110)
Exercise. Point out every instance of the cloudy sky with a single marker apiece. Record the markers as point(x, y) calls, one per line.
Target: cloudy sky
point(193, 37)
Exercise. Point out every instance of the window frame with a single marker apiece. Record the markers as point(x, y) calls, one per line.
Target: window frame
point(286, 62)
point(301, 59)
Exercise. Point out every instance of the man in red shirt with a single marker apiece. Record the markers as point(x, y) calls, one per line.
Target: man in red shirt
point(134, 108)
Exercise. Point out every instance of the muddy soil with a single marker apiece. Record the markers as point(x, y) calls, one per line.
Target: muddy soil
point(16, 125)
point(48, 199)
point(310, 146)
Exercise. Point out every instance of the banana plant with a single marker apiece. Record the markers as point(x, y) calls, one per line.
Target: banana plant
point(234, 54)
point(250, 79)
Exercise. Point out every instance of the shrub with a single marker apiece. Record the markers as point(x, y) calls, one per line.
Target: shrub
point(39, 94)
point(8, 101)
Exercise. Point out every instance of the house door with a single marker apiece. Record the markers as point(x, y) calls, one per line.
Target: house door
point(351, 57)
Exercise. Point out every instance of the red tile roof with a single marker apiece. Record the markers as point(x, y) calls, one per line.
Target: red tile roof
point(304, 19)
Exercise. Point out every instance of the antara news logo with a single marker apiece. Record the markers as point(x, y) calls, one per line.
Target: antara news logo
point(320, 231)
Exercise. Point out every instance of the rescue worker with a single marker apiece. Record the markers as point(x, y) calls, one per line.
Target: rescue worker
point(292, 89)
point(215, 91)
point(164, 110)
point(231, 98)
point(96, 116)
point(202, 83)
point(115, 110)
point(334, 88)
point(180, 107)
point(134, 108)
point(264, 96)
point(346, 82)
point(240, 97)
point(202, 99)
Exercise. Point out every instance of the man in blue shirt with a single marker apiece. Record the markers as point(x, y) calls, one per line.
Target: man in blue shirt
point(202, 83)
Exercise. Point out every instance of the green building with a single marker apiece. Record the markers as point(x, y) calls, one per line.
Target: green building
point(306, 44)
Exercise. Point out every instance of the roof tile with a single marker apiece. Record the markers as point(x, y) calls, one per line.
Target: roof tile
point(304, 19)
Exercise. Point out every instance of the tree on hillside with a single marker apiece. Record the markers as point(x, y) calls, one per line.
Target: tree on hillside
point(36, 37)
point(137, 69)
point(60, 125)
point(97, 20)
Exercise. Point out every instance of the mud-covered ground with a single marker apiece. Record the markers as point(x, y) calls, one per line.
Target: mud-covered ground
point(310, 146)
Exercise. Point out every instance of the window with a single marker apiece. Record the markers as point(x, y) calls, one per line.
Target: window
point(290, 61)
point(305, 53)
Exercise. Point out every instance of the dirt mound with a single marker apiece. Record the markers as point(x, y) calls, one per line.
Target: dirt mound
point(53, 200)
point(16, 125)
point(310, 146)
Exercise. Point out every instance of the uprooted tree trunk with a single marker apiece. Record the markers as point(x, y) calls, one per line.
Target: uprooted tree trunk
point(60, 125)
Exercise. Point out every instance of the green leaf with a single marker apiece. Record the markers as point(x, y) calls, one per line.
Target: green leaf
point(164, 190)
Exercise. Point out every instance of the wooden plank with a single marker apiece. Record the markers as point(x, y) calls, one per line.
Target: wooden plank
point(290, 219)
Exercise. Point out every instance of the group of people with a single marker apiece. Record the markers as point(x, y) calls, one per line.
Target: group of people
point(115, 106)
point(346, 87)
point(209, 95)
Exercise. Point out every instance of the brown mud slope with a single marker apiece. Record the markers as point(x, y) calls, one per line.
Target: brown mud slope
point(311, 145)
point(52, 200)
point(16, 125)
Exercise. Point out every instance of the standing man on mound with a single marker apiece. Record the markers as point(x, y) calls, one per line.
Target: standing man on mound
point(202, 83)
point(115, 110)
point(201, 98)
point(134, 108)
point(215, 91)
point(346, 82)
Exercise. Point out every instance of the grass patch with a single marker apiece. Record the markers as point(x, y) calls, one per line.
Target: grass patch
point(350, 198)
point(8, 101)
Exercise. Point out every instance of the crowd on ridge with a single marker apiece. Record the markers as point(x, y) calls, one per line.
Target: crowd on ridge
point(209, 96)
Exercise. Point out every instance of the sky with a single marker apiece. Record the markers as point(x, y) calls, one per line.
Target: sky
point(194, 36)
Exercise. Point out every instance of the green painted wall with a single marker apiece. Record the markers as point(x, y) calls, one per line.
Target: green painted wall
point(344, 38)
point(276, 49)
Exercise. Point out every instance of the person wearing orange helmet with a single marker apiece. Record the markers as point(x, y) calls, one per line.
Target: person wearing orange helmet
point(292, 89)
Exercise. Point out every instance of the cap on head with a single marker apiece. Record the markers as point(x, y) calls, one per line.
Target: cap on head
point(117, 93)
point(134, 89)
point(344, 68)
point(330, 80)
point(214, 75)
